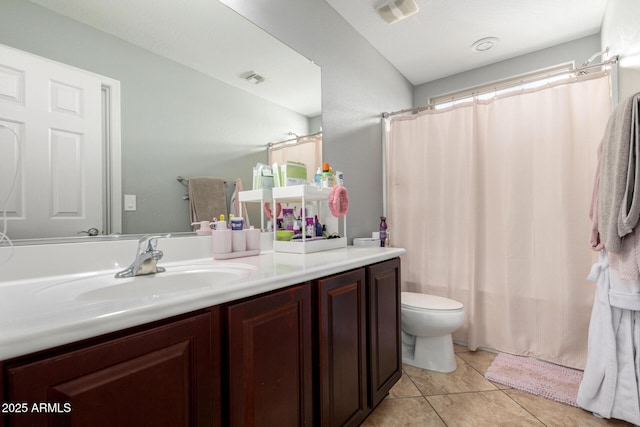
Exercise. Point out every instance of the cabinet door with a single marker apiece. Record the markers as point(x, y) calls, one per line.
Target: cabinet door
point(270, 360)
point(385, 338)
point(342, 347)
point(159, 377)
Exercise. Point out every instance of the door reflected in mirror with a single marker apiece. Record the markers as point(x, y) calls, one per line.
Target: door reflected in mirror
point(187, 108)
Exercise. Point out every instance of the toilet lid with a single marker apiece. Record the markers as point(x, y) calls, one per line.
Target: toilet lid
point(429, 302)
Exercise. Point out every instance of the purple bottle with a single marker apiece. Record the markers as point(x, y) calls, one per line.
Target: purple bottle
point(383, 231)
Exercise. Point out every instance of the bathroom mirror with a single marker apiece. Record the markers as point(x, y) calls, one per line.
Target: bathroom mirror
point(203, 91)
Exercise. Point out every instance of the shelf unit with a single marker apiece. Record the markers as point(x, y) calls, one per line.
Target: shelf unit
point(303, 194)
point(251, 196)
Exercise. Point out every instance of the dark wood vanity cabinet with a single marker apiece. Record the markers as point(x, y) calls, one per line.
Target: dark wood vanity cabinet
point(321, 353)
point(359, 341)
point(162, 376)
point(270, 359)
point(343, 349)
point(384, 345)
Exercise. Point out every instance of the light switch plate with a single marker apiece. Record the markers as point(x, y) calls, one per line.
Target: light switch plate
point(129, 202)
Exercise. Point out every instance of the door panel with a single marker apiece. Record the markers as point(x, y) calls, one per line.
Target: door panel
point(57, 112)
point(342, 346)
point(270, 356)
point(161, 377)
point(385, 346)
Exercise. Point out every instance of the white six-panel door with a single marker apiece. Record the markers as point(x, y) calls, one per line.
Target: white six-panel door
point(56, 112)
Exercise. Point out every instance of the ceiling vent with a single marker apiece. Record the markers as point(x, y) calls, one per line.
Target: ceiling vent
point(393, 11)
point(252, 77)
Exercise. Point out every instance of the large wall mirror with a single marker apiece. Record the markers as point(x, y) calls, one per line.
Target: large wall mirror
point(188, 107)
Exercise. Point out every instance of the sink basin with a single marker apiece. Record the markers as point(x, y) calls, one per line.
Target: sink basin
point(176, 279)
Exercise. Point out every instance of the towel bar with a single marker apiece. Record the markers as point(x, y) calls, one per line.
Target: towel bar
point(185, 181)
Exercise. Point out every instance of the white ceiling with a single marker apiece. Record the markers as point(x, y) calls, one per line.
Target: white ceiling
point(209, 37)
point(436, 41)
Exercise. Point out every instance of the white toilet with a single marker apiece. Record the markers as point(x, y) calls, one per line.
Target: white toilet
point(427, 324)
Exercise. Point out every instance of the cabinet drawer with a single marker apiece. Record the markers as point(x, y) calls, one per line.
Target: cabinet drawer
point(160, 377)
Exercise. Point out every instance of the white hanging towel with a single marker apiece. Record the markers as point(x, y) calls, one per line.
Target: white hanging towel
point(610, 387)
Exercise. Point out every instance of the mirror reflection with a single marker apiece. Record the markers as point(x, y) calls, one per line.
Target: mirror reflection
point(202, 92)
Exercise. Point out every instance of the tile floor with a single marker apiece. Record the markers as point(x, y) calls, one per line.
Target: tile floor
point(464, 398)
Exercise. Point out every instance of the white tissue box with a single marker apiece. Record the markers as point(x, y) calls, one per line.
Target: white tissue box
point(366, 241)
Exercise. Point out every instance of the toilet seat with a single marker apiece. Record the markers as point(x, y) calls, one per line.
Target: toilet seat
point(424, 302)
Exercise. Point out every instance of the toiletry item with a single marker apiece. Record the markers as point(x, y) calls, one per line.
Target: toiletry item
point(293, 173)
point(309, 228)
point(318, 227)
point(287, 216)
point(238, 241)
point(238, 237)
point(339, 178)
point(253, 238)
point(387, 242)
point(383, 231)
point(284, 235)
point(338, 201)
point(221, 238)
point(262, 177)
point(221, 224)
point(256, 180)
point(204, 228)
point(237, 223)
point(296, 226)
point(316, 178)
point(275, 169)
point(326, 178)
point(366, 241)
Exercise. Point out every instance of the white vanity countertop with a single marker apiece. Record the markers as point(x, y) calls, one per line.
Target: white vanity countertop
point(37, 313)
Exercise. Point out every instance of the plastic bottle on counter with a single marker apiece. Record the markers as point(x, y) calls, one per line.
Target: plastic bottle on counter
point(237, 223)
point(383, 231)
point(221, 237)
point(253, 238)
point(318, 227)
point(327, 177)
point(287, 218)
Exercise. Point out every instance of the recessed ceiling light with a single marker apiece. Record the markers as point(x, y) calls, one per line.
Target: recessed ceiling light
point(485, 44)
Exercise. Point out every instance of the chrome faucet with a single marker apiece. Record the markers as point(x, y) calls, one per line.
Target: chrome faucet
point(146, 260)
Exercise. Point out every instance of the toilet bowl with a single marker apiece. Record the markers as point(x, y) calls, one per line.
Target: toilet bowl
point(427, 324)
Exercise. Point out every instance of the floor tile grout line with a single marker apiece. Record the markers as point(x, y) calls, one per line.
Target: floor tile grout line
point(519, 404)
point(425, 398)
point(503, 392)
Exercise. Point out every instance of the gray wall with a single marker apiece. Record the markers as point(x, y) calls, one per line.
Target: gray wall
point(358, 84)
point(577, 51)
point(175, 121)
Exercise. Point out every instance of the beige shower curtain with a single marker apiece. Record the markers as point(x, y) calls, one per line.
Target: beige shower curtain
point(491, 201)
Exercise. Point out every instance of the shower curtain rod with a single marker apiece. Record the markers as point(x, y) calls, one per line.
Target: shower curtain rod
point(582, 70)
point(297, 138)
